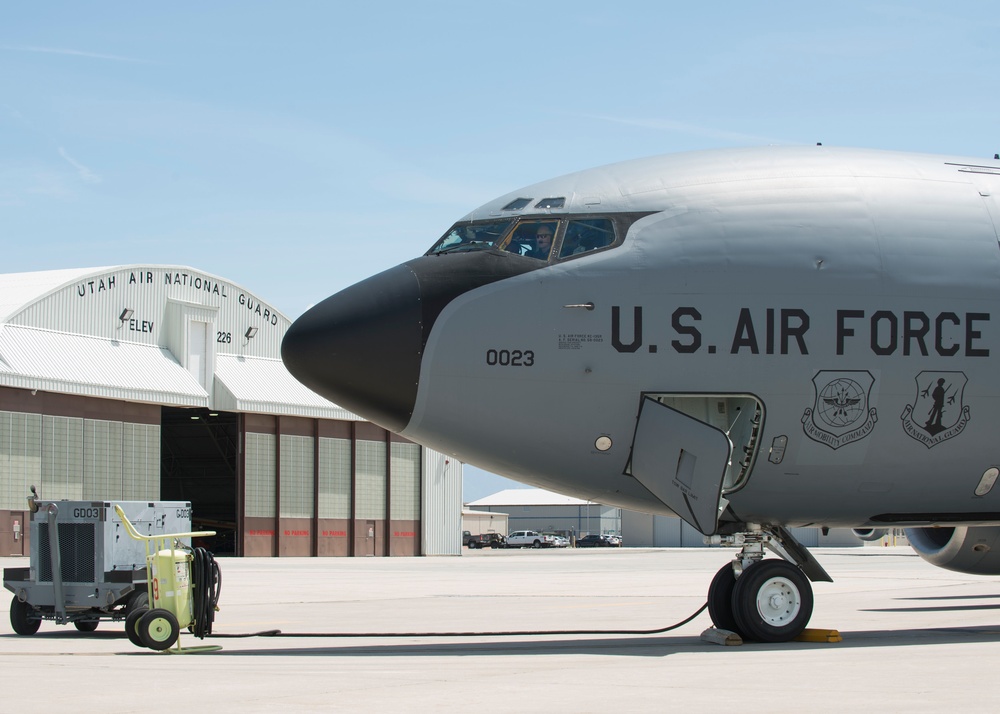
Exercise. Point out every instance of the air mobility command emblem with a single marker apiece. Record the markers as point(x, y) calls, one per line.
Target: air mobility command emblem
point(937, 413)
point(841, 413)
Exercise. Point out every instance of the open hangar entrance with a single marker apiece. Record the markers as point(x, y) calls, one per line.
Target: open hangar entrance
point(199, 462)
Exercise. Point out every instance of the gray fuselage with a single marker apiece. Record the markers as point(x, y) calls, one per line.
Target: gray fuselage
point(831, 312)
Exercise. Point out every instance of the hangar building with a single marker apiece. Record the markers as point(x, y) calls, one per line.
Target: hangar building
point(157, 382)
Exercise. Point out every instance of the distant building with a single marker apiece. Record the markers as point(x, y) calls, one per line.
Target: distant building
point(547, 512)
point(479, 522)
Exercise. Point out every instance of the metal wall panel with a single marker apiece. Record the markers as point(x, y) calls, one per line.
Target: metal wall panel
point(261, 470)
point(335, 478)
point(370, 477)
point(20, 457)
point(441, 504)
point(297, 487)
point(77, 458)
point(404, 503)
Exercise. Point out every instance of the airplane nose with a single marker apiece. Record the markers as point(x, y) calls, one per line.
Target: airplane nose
point(360, 348)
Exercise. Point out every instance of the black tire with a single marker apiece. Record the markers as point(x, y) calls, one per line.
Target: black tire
point(536, 544)
point(86, 625)
point(720, 599)
point(772, 602)
point(138, 600)
point(158, 629)
point(20, 618)
point(132, 626)
point(472, 545)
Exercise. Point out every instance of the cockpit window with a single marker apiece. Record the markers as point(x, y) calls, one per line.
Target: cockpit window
point(532, 239)
point(551, 202)
point(517, 204)
point(585, 235)
point(476, 236)
point(542, 237)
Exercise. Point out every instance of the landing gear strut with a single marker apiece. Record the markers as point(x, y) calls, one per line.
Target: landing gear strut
point(764, 600)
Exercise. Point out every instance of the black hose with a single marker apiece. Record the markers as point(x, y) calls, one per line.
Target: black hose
point(279, 633)
point(207, 588)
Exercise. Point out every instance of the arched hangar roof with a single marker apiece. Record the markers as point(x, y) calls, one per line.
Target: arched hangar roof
point(161, 334)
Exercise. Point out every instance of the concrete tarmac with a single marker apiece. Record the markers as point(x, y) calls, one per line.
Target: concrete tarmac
point(915, 639)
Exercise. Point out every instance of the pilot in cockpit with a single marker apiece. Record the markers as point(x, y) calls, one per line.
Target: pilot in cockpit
point(543, 242)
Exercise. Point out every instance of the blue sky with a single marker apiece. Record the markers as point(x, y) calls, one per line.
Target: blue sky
point(295, 148)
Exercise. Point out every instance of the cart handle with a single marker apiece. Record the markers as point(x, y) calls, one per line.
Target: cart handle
point(136, 535)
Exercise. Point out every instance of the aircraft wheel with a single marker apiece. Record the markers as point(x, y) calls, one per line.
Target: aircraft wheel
point(772, 601)
point(158, 629)
point(132, 626)
point(20, 621)
point(86, 625)
point(720, 599)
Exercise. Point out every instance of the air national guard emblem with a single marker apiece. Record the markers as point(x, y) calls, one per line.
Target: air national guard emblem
point(937, 414)
point(841, 413)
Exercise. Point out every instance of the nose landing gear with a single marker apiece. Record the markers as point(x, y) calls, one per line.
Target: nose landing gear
point(764, 600)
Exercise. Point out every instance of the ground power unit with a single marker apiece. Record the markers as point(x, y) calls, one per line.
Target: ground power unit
point(84, 567)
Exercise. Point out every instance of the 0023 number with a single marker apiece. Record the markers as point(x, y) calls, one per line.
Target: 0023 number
point(510, 358)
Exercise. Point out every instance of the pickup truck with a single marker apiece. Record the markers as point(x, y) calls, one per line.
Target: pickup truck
point(528, 539)
point(486, 540)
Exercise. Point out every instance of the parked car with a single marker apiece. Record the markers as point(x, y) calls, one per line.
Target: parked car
point(614, 539)
point(555, 540)
point(526, 539)
point(487, 540)
point(594, 540)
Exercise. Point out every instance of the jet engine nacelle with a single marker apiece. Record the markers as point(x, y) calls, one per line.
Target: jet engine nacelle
point(964, 549)
point(870, 534)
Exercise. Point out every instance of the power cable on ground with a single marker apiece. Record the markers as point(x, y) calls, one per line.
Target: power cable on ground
point(522, 633)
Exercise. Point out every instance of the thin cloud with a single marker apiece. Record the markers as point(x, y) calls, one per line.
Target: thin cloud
point(86, 174)
point(73, 53)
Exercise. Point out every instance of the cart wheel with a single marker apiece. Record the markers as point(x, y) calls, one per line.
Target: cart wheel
point(132, 626)
point(20, 620)
point(86, 625)
point(158, 629)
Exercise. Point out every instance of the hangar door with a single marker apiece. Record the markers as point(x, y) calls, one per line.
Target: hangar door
point(199, 463)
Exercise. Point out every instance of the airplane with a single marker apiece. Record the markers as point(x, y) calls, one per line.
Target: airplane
point(752, 339)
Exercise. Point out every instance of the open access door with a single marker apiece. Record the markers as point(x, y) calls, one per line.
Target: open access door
point(682, 461)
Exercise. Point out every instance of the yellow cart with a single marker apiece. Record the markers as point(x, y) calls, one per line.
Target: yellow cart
point(174, 596)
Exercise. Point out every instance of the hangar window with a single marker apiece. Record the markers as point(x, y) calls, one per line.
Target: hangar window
point(471, 236)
